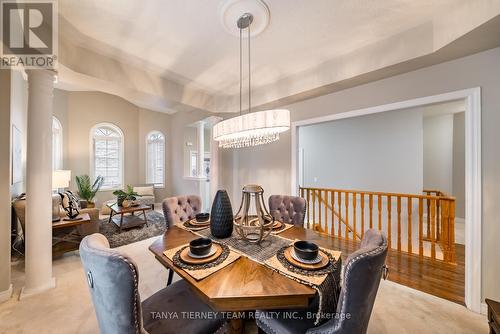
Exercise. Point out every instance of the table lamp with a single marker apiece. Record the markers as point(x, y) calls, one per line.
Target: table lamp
point(60, 180)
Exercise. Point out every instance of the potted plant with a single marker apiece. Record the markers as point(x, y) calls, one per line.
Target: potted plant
point(126, 198)
point(87, 190)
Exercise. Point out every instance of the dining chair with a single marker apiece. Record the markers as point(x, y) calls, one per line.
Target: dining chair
point(178, 210)
point(181, 208)
point(362, 273)
point(288, 209)
point(113, 281)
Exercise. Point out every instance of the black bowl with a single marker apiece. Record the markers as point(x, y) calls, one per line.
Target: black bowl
point(202, 217)
point(200, 246)
point(305, 250)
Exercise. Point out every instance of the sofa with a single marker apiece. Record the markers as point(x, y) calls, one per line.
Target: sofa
point(147, 193)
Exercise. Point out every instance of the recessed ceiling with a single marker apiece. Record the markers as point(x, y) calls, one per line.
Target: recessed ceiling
point(185, 38)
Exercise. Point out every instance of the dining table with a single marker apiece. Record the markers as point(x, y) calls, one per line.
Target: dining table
point(244, 285)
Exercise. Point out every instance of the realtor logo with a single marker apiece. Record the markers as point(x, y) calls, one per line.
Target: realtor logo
point(29, 34)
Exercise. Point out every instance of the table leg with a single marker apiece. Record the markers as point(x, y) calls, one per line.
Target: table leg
point(121, 222)
point(145, 218)
point(110, 216)
point(236, 326)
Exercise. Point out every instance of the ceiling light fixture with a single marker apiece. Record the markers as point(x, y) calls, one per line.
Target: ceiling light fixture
point(253, 128)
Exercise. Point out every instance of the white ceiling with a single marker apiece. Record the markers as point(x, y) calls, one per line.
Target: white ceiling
point(185, 41)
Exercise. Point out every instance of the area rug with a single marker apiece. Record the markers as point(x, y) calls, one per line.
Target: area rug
point(156, 226)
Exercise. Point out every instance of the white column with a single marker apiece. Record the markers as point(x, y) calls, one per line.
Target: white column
point(38, 240)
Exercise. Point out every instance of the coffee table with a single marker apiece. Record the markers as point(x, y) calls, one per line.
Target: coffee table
point(131, 220)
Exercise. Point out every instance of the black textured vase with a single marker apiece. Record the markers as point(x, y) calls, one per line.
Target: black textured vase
point(221, 216)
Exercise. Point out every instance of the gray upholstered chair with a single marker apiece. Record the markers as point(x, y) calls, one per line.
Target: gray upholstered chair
point(362, 274)
point(113, 281)
point(178, 210)
point(288, 209)
point(181, 208)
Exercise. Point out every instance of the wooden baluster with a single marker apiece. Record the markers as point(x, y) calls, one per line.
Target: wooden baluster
point(399, 222)
point(421, 227)
point(389, 221)
point(410, 211)
point(320, 221)
point(438, 219)
point(428, 218)
point(362, 215)
point(326, 212)
point(379, 212)
point(433, 228)
point(314, 210)
point(445, 246)
point(339, 199)
point(346, 219)
point(308, 208)
point(451, 230)
point(370, 204)
point(354, 221)
point(332, 204)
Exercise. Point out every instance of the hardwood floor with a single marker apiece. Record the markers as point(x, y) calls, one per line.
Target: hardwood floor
point(435, 277)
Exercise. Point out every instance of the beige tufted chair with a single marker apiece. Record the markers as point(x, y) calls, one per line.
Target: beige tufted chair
point(181, 208)
point(288, 209)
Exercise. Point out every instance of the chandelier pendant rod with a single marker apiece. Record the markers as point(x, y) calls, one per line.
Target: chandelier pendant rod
point(241, 69)
point(249, 74)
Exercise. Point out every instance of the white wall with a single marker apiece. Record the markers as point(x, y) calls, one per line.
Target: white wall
point(438, 153)
point(381, 152)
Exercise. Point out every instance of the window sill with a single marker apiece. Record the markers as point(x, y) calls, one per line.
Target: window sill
point(109, 189)
point(195, 178)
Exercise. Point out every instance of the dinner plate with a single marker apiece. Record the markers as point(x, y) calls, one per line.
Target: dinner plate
point(184, 256)
point(212, 252)
point(313, 261)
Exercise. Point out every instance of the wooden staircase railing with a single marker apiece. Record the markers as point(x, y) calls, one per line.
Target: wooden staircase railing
point(348, 214)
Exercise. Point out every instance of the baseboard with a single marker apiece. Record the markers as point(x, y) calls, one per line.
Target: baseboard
point(25, 293)
point(484, 309)
point(5, 295)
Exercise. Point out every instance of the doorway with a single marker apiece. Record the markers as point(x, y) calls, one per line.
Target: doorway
point(472, 124)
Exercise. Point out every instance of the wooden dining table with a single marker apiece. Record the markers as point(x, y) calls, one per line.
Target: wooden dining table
point(244, 285)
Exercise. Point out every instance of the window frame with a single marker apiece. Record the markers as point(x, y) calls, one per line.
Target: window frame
point(156, 185)
point(60, 162)
point(117, 129)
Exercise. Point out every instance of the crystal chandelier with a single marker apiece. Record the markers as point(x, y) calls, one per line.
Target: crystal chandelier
point(253, 128)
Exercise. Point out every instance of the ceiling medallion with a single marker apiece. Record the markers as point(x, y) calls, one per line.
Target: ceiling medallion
point(253, 128)
point(231, 10)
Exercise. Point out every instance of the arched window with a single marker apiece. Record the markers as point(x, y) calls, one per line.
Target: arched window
point(155, 159)
point(107, 155)
point(57, 148)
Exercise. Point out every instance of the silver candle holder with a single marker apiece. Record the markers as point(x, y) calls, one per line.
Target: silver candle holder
point(253, 226)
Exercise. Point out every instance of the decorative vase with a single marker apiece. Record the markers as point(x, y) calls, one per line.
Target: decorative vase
point(126, 203)
point(90, 205)
point(221, 216)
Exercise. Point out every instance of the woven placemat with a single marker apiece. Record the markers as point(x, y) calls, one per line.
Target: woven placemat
point(202, 271)
point(302, 275)
point(283, 228)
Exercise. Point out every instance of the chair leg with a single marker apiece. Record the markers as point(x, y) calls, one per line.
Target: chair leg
point(170, 276)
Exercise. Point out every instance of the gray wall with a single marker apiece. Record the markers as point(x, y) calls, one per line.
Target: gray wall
point(270, 165)
point(458, 178)
point(380, 152)
point(438, 153)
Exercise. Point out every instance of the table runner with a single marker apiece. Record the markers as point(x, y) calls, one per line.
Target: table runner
point(327, 285)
